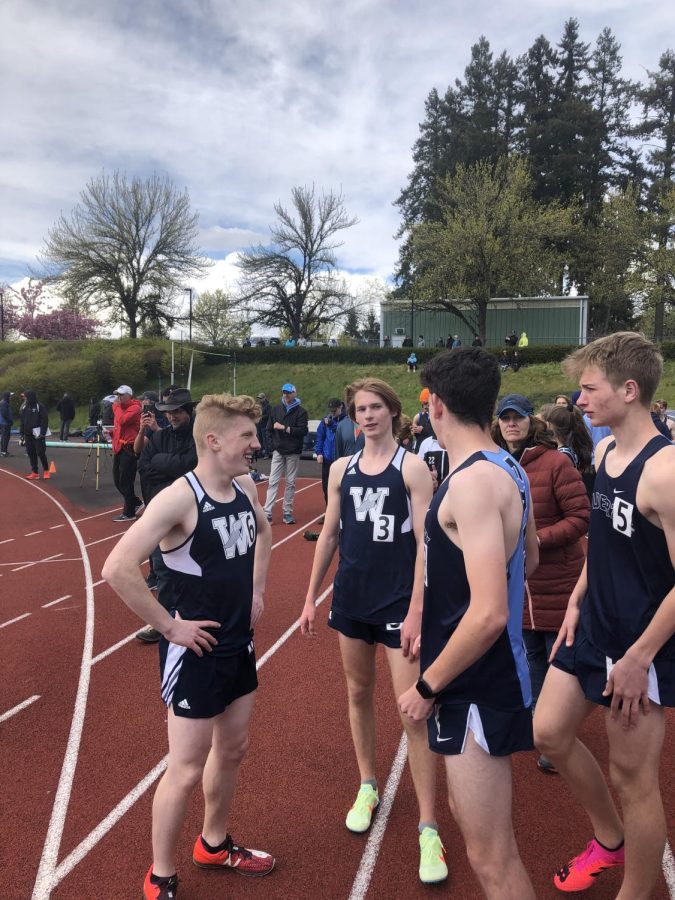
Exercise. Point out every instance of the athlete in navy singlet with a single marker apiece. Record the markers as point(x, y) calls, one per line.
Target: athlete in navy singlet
point(376, 504)
point(616, 646)
point(374, 580)
point(497, 685)
point(474, 688)
point(215, 541)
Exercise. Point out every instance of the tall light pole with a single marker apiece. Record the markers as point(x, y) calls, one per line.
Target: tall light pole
point(189, 291)
point(2, 315)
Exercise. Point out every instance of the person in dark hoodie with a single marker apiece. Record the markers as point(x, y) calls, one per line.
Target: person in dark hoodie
point(34, 429)
point(286, 428)
point(6, 421)
point(66, 409)
point(168, 454)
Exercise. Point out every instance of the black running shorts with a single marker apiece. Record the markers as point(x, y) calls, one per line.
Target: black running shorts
point(388, 634)
point(201, 687)
point(499, 732)
point(591, 668)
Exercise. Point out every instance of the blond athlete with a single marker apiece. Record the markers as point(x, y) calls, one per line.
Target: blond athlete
point(616, 647)
point(377, 499)
point(215, 541)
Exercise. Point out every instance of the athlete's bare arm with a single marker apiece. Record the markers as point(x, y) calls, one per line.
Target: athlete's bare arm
point(263, 548)
point(419, 484)
point(325, 546)
point(628, 681)
point(170, 518)
point(473, 514)
point(531, 545)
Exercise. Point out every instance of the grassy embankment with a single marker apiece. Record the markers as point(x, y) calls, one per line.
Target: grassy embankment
point(317, 383)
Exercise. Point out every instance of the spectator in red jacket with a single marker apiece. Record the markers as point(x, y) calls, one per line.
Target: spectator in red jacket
point(561, 513)
point(127, 424)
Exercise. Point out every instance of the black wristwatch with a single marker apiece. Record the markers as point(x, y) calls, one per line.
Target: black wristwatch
point(424, 690)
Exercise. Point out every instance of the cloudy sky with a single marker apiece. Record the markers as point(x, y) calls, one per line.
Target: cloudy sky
point(239, 100)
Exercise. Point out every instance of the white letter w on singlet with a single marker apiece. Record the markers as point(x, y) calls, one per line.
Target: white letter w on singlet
point(369, 505)
point(237, 535)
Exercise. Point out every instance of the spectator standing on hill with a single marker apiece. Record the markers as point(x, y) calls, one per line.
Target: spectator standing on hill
point(523, 340)
point(261, 427)
point(476, 342)
point(420, 341)
point(6, 422)
point(456, 342)
point(127, 424)
point(407, 341)
point(286, 430)
point(411, 362)
point(66, 410)
point(34, 431)
point(325, 441)
point(512, 339)
point(663, 415)
point(94, 411)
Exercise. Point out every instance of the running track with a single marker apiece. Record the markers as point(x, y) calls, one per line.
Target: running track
point(83, 740)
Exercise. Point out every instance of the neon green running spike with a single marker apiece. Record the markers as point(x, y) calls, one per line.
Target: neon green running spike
point(360, 815)
point(432, 857)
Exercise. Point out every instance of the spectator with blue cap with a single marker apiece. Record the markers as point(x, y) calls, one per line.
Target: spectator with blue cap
point(286, 429)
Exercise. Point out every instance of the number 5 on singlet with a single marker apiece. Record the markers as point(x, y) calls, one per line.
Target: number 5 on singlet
point(622, 516)
point(383, 529)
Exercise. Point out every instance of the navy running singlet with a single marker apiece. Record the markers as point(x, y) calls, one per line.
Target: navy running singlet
point(374, 579)
point(212, 571)
point(500, 678)
point(629, 568)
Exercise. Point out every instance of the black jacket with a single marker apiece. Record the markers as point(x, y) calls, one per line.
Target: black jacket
point(287, 443)
point(6, 415)
point(66, 409)
point(170, 453)
point(33, 415)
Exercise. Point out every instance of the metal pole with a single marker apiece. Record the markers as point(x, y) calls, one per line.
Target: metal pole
point(234, 375)
point(2, 315)
point(189, 291)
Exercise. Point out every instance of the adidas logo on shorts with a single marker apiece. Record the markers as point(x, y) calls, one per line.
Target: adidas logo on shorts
point(207, 507)
point(184, 704)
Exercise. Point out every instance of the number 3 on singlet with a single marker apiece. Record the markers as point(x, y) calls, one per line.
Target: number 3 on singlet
point(622, 516)
point(383, 529)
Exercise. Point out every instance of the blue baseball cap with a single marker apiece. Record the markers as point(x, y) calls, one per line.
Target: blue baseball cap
point(288, 388)
point(517, 403)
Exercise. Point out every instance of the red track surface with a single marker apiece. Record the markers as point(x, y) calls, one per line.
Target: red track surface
point(299, 777)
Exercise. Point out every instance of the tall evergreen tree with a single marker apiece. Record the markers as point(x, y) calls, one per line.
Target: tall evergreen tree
point(658, 125)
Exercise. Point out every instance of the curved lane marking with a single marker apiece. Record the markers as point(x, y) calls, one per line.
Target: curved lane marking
point(44, 880)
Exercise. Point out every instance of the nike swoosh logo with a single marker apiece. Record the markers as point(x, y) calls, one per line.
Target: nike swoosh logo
point(617, 492)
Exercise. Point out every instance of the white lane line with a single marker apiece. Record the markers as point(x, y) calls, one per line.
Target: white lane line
point(113, 817)
point(7, 541)
point(16, 709)
point(31, 533)
point(376, 836)
point(54, 602)
point(54, 527)
point(12, 621)
point(668, 866)
point(38, 561)
point(117, 646)
point(103, 540)
point(106, 512)
point(297, 531)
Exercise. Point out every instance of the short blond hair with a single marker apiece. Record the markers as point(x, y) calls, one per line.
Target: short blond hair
point(623, 356)
point(375, 386)
point(215, 410)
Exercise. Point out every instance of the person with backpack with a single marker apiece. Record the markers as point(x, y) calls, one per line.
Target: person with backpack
point(34, 430)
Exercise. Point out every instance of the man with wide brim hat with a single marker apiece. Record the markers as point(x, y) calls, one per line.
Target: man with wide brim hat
point(179, 398)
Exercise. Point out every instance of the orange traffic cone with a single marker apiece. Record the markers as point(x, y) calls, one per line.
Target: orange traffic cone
point(52, 468)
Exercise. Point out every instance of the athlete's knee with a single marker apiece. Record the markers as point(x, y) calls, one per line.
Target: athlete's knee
point(184, 775)
point(549, 738)
point(632, 779)
point(360, 692)
point(489, 859)
point(232, 751)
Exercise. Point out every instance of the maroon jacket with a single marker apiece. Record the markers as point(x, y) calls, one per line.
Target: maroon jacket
point(561, 514)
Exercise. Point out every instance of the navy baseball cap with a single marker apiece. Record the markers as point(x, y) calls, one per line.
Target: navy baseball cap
point(288, 388)
point(517, 403)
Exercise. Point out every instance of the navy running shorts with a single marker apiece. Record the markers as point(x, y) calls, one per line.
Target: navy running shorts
point(499, 732)
point(201, 687)
point(591, 668)
point(388, 634)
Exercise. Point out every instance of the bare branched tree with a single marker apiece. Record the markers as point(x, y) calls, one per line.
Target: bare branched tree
point(292, 284)
point(126, 248)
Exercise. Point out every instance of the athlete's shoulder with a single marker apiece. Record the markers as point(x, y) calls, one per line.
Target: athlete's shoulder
point(247, 485)
point(659, 469)
point(337, 470)
point(601, 449)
